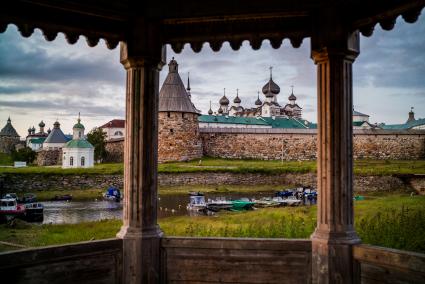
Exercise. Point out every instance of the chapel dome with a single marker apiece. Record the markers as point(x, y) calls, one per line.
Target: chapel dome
point(224, 100)
point(237, 100)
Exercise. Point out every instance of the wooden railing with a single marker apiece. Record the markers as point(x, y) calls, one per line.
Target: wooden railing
point(235, 260)
point(384, 265)
point(86, 262)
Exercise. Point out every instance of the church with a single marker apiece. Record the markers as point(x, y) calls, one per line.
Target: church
point(267, 108)
point(78, 153)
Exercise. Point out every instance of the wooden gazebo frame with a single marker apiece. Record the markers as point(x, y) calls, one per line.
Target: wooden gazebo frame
point(144, 27)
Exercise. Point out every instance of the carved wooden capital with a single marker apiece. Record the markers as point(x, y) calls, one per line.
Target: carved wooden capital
point(343, 47)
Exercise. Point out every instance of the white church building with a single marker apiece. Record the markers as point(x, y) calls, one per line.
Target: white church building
point(78, 153)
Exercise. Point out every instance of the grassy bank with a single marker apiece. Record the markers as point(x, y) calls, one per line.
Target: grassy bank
point(5, 160)
point(361, 167)
point(391, 221)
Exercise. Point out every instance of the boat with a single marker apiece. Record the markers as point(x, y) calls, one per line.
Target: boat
point(292, 201)
point(242, 204)
point(265, 202)
point(34, 212)
point(10, 209)
point(284, 193)
point(219, 204)
point(28, 198)
point(280, 201)
point(113, 194)
point(65, 197)
point(196, 202)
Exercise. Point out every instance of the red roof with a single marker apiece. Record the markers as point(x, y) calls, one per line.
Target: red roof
point(115, 123)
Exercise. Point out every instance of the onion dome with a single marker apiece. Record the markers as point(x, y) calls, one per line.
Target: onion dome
point(237, 100)
point(56, 124)
point(33, 129)
point(224, 100)
point(29, 130)
point(48, 131)
point(78, 125)
point(220, 111)
point(41, 124)
point(271, 88)
point(258, 102)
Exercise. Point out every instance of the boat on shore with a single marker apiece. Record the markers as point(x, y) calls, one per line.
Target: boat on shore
point(242, 204)
point(10, 209)
point(196, 202)
point(34, 212)
point(112, 194)
point(219, 204)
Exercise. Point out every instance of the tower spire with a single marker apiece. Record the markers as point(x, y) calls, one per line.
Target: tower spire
point(271, 73)
point(188, 82)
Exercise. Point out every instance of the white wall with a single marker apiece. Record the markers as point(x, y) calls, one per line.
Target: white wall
point(53, 145)
point(231, 125)
point(110, 132)
point(77, 154)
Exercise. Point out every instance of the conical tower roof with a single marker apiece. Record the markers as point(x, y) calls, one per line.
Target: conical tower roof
point(56, 135)
point(9, 130)
point(173, 95)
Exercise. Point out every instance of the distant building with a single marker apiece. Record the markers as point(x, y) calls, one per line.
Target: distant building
point(56, 139)
point(114, 129)
point(361, 121)
point(78, 153)
point(268, 108)
point(411, 124)
point(35, 140)
point(9, 138)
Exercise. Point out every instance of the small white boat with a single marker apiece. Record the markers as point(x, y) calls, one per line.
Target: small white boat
point(219, 204)
point(266, 202)
point(292, 201)
point(196, 202)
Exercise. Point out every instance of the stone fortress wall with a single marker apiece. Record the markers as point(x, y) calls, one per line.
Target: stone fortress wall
point(293, 144)
point(178, 137)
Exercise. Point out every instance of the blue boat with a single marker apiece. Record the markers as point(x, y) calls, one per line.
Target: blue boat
point(112, 193)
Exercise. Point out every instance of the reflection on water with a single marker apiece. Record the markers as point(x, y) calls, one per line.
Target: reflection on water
point(60, 212)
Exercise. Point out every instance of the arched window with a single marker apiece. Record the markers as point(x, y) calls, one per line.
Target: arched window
point(118, 133)
point(83, 160)
point(71, 161)
point(79, 134)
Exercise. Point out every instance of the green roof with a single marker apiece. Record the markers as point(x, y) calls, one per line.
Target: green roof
point(37, 140)
point(78, 125)
point(281, 122)
point(278, 122)
point(407, 125)
point(78, 143)
point(232, 120)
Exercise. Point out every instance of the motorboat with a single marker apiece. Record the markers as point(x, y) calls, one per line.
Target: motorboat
point(196, 202)
point(28, 198)
point(265, 202)
point(10, 209)
point(65, 197)
point(219, 204)
point(292, 201)
point(34, 212)
point(242, 204)
point(113, 194)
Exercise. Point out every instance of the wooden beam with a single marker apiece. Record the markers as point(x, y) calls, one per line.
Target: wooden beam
point(142, 57)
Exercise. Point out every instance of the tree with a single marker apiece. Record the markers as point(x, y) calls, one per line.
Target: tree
point(24, 155)
point(98, 139)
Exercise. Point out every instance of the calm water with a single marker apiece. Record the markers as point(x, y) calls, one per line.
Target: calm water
point(62, 212)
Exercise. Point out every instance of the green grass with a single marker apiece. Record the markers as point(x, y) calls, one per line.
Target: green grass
point(395, 221)
point(361, 167)
point(6, 160)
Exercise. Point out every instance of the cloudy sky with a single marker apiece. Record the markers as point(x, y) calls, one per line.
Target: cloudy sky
point(42, 80)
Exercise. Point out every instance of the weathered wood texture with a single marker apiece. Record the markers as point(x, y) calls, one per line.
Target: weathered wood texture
point(88, 262)
point(235, 260)
point(383, 265)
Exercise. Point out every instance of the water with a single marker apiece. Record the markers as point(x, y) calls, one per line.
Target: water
point(64, 212)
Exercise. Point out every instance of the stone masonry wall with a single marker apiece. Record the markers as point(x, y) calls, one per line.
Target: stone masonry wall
point(7, 144)
point(49, 157)
point(178, 137)
point(27, 182)
point(115, 151)
point(275, 144)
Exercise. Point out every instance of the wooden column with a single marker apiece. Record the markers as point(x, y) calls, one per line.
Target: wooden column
point(334, 236)
point(142, 57)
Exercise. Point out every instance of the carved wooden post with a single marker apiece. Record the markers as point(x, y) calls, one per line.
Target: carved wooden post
point(334, 235)
point(142, 57)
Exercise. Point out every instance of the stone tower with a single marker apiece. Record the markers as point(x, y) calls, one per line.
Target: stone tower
point(178, 138)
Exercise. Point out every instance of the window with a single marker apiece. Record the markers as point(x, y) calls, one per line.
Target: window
point(171, 130)
point(182, 114)
point(83, 160)
point(79, 134)
point(118, 133)
point(168, 114)
point(71, 161)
